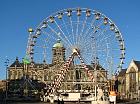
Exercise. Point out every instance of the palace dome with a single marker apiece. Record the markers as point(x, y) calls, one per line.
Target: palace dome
point(58, 44)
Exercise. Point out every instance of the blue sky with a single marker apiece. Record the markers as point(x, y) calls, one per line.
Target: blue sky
point(16, 16)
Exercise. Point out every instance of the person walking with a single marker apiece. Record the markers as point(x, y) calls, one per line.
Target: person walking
point(58, 101)
point(62, 102)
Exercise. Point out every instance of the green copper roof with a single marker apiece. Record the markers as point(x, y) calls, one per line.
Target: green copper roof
point(26, 60)
point(58, 44)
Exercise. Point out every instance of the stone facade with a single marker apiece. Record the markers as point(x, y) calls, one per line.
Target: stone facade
point(2, 85)
point(130, 81)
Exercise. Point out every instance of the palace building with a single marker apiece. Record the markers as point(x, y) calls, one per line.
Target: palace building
point(76, 78)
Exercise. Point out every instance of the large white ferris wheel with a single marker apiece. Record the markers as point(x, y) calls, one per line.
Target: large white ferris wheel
point(93, 35)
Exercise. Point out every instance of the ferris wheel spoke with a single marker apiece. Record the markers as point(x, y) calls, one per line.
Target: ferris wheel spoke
point(70, 44)
point(77, 29)
point(89, 27)
point(86, 47)
point(102, 32)
point(68, 32)
point(83, 27)
point(49, 38)
point(49, 35)
point(65, 26)
point(104, 39)
point(92, 31)
point(83, 35)
point(58, 35)
point(71, 28)
point(93, 26)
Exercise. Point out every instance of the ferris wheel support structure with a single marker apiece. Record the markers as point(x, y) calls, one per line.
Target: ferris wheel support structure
point(58, 80)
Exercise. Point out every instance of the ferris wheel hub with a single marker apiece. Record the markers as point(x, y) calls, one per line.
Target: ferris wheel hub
point(75, 51)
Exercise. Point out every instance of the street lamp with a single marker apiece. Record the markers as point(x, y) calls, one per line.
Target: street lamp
point(6, 65)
